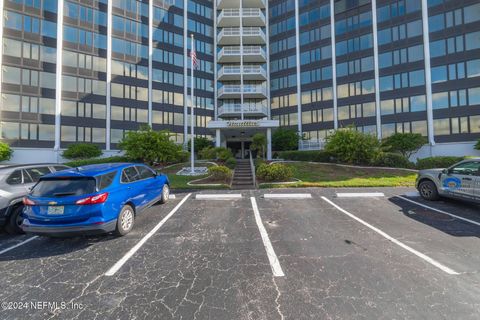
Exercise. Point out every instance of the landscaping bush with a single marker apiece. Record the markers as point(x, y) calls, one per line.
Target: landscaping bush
point(284, 140)
point(79, 151)
point(85, 162)
point(274, 172)
point(259, 144)
point(314, 156)
point(437, 162)
point(220, 173)
point(231, 163)
point(353, 147)
point(392, 160)
point(183, 156)
point(200, 144)
point(147, 145)
point(404, 143)
point(5, 151)
point(218, 153)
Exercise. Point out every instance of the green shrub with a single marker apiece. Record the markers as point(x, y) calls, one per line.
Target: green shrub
point(183, 156)
point(477, 145)
point(85, 162)
point(313, 156)
point(404, 143)
point(274, 172)
point(78, 151)
point(437, 162)
point(149, 146)
point(5, 151)
point(259, 144)
point(284, 139)
point(392, 160)
point(353, 147)
point(217, 153)
point(220, 173)
point(200, 144)
point(231, 163)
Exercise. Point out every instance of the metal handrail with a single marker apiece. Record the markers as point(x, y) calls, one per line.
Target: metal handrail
point(252, 166)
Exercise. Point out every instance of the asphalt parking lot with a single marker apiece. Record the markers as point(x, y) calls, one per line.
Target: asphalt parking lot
point(309, 254)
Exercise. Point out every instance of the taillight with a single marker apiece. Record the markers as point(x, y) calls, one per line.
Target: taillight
point(99, 198)
point(28, 202)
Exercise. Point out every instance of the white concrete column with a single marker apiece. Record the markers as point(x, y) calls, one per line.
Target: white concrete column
point(269, 144)
point(334, 64)
point(215, 102)
point(58, 76)
point(1, 41)
point(377, 71)
point(428, 76)
point(150, 55)
point(218, 142)
point(297, 54)
point(241, 59)
point(267, 28)
point(185, 75)
point(109, 76)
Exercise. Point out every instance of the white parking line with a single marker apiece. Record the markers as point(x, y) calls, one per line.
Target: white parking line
point(272, 257)
point(18, 244)
point(132, 251)
point(440, 211)
point(397, 242)
point(287, 195)
point(225, 196)
point(360, 195)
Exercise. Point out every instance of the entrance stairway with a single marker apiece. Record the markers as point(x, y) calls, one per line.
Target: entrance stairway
point(242, 178)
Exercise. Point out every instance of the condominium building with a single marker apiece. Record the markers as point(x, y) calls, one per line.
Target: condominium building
point(91, 70)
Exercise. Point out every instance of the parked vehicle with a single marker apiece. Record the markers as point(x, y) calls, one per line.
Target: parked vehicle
point(461, 181)
point(93, 199)
point(15, 183)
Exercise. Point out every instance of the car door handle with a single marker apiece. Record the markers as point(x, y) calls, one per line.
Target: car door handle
point(468, 179)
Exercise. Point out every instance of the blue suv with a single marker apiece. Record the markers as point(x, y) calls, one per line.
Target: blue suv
point(92, 199)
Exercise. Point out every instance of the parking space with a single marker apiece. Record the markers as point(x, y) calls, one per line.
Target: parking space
point(264, 254)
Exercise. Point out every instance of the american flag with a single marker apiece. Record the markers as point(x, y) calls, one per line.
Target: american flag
point(193, 55)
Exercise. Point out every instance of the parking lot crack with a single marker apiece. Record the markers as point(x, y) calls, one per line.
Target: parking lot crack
point(277, 299)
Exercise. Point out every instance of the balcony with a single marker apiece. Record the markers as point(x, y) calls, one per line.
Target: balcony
point(232, 54)
point(250, 35)
point(250, 91)
point(223, 4)
point(250, 72)
point(252, 17)
point(235, 109)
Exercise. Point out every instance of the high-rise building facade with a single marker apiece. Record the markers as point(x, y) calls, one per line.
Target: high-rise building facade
point(91, 70)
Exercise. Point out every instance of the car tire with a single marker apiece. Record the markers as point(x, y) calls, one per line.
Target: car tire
point(165, 194)
point(15, 220)
point(428, 190)
point(125, 221)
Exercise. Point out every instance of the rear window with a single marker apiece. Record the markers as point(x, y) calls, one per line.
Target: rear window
point(64, 187)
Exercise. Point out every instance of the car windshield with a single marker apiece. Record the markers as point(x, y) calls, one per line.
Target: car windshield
point(63, 187)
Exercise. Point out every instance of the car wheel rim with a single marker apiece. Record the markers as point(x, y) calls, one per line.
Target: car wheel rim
point(127, 219)
point(166, 192)
point(19, 220)
point(426, 191)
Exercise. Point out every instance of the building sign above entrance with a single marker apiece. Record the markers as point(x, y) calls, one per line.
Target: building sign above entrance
point(242, 123)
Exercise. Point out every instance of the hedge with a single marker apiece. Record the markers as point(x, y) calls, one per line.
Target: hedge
point(437, 162)
point(85, 162)
point(392, 160)
point(274, 172)
point(314, 156)
point(221, 173)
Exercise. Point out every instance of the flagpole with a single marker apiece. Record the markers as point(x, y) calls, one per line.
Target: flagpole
point(192, 155)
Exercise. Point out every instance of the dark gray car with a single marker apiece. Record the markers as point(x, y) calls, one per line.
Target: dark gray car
point(461, 181)
point(15, 183)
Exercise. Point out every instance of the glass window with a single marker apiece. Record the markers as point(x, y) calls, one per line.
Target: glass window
point(130, 174)
point(440, 100)
point(474, 96)
point(436, 23)
point(417, 78)
point(441, 126)
point(144, 172)
point(11, 75)
point(473, 68)
point(36, 173)
point(417, 103)
point(472, 40)
point(105, 180)
point(15, 177)
point(472, 13)
point(439, 74)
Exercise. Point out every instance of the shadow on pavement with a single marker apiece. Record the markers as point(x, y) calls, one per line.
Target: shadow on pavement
point(440, 221)
point(49, 247)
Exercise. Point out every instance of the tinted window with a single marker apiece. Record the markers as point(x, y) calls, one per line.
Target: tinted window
point(60, 168)
point(106, 180)
point(467, 168)
point(15, 177)
point(130, 174)
point(36, 173)
point(63, 187)
point(145, 172)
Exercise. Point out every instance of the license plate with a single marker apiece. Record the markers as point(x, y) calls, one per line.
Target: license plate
point(55, 210)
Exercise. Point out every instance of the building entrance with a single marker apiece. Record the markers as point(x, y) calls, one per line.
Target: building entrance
point(239, 148)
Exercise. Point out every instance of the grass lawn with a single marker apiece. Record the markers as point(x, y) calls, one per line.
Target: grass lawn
point(330, 175)
point(180, 182)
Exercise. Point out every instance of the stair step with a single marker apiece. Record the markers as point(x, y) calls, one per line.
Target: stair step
point(243, 183)
point(242, 178)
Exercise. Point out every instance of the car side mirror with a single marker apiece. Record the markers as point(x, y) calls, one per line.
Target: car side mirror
point(447, 171)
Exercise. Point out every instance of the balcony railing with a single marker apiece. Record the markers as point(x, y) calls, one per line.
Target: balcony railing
point(247, 50)
point(247, 32)
point(236, 108)
point(246, 13)
point(247, 89)
point(247, 70)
